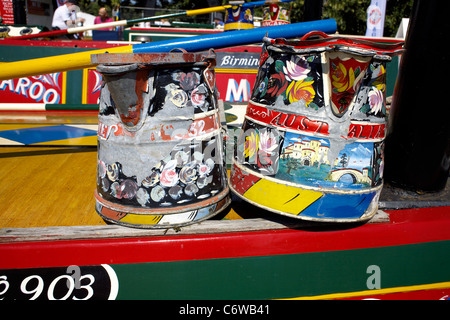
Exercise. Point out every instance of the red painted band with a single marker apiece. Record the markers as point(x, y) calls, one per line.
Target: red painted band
point(406, 227)
point(285, 120)
point(302, 123)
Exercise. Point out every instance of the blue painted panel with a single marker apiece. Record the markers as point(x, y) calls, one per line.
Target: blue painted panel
point(46, 133)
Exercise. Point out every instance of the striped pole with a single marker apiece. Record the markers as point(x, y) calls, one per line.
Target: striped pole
point(48, 107)
point(82, 60)
point(122, 23)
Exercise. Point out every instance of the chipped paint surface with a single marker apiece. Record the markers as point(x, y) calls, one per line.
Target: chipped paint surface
point(314, 128)
point(160, 152)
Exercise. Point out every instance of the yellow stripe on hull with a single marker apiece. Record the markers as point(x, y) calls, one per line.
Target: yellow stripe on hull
point(431, 286)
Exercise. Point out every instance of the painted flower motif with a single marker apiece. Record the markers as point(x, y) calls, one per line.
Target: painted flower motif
point(105, 184)
point(343, 79)
point(204, 181)
point(113, 171)
point(301, 90)
point(248, 15)
point(188, 174)
point(198, 97)
point(268, 152)
point(263, 86)
point(277, 84)
point(114, 189)
point(179, 98)
point(188, 81)
point(168, 178)
point(142, 196)
point(210, 163)
point(191, 190)
point(376, 100)
point(157, 193)
point(267, 142)
point(175, 192)
point(151, 180)
point(198, 156)
point(296, 69)
point(251, 145)
point(181, 158)
point(203, 170)
point(125, 190)
point(283, 15)
point(380, 80)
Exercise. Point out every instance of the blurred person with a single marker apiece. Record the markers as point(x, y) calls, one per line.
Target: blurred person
point(64, 16)
point(103, 17)
point(218, 20)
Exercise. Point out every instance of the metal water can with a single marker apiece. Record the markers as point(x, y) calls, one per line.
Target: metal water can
point(311, 145)
point(275, 15)
point(160, 146)
point(238, 17)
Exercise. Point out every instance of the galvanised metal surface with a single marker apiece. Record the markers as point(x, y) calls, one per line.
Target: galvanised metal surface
point(160, 144)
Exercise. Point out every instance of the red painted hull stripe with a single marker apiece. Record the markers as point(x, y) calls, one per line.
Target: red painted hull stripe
point(434, 294)
point(406, 227)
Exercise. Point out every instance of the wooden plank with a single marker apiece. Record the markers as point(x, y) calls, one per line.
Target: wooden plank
point(9, 235)
point(44, 187)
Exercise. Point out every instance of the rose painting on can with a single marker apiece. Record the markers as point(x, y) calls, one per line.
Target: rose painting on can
point(291, 78)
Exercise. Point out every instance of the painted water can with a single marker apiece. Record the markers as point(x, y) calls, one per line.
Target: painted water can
point(238, 18)
point(160, 148)
point(275, 15)
point(311, 145)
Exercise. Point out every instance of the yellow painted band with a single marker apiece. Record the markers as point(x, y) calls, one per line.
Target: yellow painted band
point(65, 62)
point(238, 26)
point(85, 85)
point(249, 71)
point(141, 219)
point(64, 88)
point(282, 198)
point(431, 286)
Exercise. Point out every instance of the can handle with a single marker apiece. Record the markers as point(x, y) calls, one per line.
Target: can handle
point(178, 49)
point(314, 33)
point(324, 36)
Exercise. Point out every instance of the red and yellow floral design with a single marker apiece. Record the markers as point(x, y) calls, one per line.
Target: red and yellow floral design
point(346, 77)
point(301, 90)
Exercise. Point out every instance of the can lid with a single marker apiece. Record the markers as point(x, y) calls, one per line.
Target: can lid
point(318, 41)
point(153, 59)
